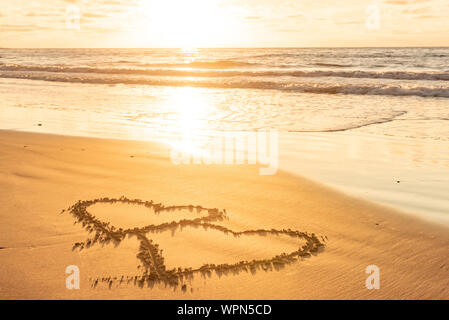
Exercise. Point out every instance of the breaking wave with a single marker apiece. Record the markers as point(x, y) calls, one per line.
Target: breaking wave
point(238, 83)
point(202, 71)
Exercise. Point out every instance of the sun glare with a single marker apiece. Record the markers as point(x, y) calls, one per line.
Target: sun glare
point(184, 24)
point(190, 109)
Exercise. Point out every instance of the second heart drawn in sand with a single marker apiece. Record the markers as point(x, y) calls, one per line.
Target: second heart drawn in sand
point(153, 267)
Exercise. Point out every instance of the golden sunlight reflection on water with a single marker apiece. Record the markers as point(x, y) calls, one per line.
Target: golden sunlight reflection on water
point(189, 113)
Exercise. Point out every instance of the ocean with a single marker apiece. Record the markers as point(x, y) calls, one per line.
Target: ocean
point(371, 122)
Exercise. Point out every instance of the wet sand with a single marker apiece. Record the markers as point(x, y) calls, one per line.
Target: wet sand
point(233, 234)
point(408, 174)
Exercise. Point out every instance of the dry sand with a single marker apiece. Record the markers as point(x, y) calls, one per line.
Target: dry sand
point(267, 237)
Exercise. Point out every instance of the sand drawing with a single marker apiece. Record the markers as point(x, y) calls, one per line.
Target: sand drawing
point(152, 266)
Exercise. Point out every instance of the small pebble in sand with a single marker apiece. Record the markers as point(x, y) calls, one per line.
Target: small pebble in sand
point(398, 181)
point(39, 124)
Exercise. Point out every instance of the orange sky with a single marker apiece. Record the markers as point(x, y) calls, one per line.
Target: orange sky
point(223, 23)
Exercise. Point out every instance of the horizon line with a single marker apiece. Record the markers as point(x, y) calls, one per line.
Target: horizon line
point(262, 47)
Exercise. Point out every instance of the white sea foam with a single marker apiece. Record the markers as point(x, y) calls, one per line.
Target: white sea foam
point(240, 83)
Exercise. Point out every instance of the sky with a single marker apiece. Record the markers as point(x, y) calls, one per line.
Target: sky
point(223, 23)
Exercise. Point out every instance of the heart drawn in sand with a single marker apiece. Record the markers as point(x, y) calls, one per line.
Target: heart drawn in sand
point(150, 255)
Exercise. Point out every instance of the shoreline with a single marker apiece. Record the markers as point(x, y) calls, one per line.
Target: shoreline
point(43, 174)
point(305, 155)
point(407, 179)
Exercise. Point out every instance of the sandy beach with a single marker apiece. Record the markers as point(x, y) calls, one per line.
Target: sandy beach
point(41, 175)
point(224, 150)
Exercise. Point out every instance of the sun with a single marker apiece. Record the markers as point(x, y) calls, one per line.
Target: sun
point(184, 24)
